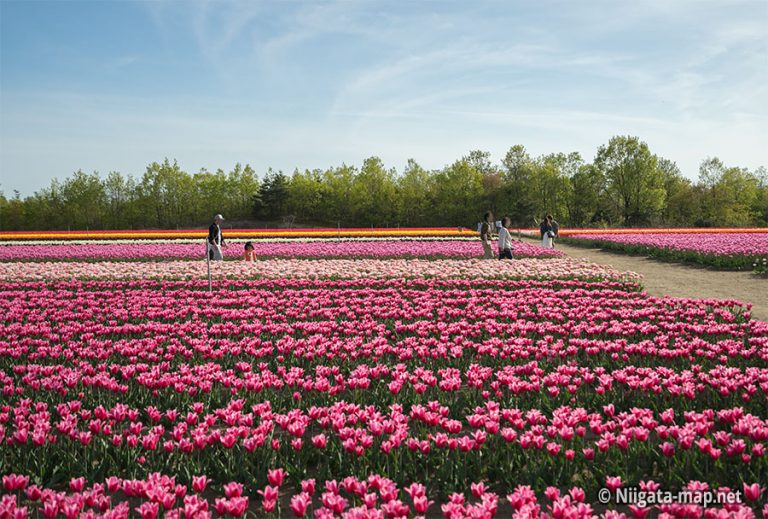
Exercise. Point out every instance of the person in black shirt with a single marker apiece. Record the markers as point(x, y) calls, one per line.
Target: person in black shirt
point(215, 239)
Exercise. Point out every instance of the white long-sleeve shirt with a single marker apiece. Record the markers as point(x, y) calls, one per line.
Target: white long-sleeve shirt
point(505, 239)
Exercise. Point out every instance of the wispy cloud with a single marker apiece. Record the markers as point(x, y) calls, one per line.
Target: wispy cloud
point(313, 84)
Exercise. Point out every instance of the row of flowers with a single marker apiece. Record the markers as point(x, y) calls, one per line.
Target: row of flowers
point(737, 250)
point(241, 241)
point(666, 230)
point(525, 268)
point(709, 443)
point(294, 249)
point(374, 496)
point(555, 371)
point(420, 380)
point(163, 234)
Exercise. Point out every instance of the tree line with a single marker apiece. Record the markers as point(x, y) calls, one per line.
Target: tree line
point(625, 185)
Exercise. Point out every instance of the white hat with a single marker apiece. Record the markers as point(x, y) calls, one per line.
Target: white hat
point(218, 217)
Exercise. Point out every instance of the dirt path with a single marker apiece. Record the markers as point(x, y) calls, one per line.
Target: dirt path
point(679, 280)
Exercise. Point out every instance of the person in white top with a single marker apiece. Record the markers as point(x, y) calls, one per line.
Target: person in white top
point(505, 239)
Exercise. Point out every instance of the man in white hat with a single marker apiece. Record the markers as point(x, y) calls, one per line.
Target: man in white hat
point(215, 239)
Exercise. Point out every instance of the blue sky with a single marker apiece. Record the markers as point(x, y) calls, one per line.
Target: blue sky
point(115, 85)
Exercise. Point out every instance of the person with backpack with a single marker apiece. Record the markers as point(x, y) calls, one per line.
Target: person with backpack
point(486, 232)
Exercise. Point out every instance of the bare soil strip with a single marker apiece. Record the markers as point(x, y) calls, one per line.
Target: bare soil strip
point(679, 280)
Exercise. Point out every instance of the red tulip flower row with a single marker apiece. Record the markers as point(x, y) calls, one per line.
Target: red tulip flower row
point(369, 434)
point(372, 497)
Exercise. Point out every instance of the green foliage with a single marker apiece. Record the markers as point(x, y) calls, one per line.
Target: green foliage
point(305, 196)
point(760, 267)
point(372, 195)
point(731, 196)
point(519, 198)
point(587, 186)
point(414, 198)
point(273, 196)
point(635, 185)
point(625, 185)
point(458, 191)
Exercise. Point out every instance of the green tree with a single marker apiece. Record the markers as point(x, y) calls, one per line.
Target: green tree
point(414, 196)
point(373, 193)
point(337, 188)
point(166, 196)
point(493, 197)
point(550, 185)
point(13, 213)
point(45, 209)
point(761, 201)
point(273, 196)
point(305, 195)
point(739, 192)
point(120, 201)
point(681, 208)
point(634, 183)
point(481, 161)
point(584, 196)
point(83, 200)
point(210, 190)
point(459, 195)
point(240, 186)
point(730, 195)
point(518, 198)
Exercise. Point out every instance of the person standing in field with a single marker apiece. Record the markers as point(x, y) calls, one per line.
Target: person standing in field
point(505, 239)
point(215, 239)
point(486, 231)
point(555, 230)
point(547, 233)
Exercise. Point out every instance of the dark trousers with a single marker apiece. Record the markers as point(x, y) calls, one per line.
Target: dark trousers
point(505, 254)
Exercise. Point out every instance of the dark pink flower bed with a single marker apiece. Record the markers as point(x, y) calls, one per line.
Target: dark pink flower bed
point(375, 398)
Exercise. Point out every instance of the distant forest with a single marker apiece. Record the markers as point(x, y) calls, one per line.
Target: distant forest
point(625, 185)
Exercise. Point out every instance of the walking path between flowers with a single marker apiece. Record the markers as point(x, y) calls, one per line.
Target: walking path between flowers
point(679, 280)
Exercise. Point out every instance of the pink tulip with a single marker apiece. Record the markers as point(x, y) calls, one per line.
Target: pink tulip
point(233, 489)
point(77, 484)
point(421, 504)
point(148, 510)
point(276, 476)
point(752, 492)
point(300, 503)
point(308, 486)
point(668, 449)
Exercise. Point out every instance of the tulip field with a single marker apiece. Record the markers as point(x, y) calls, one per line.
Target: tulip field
point(268, 249)
point(726, 249)
point(368, 378)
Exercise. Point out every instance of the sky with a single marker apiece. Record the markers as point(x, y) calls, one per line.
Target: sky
point(115, 85)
